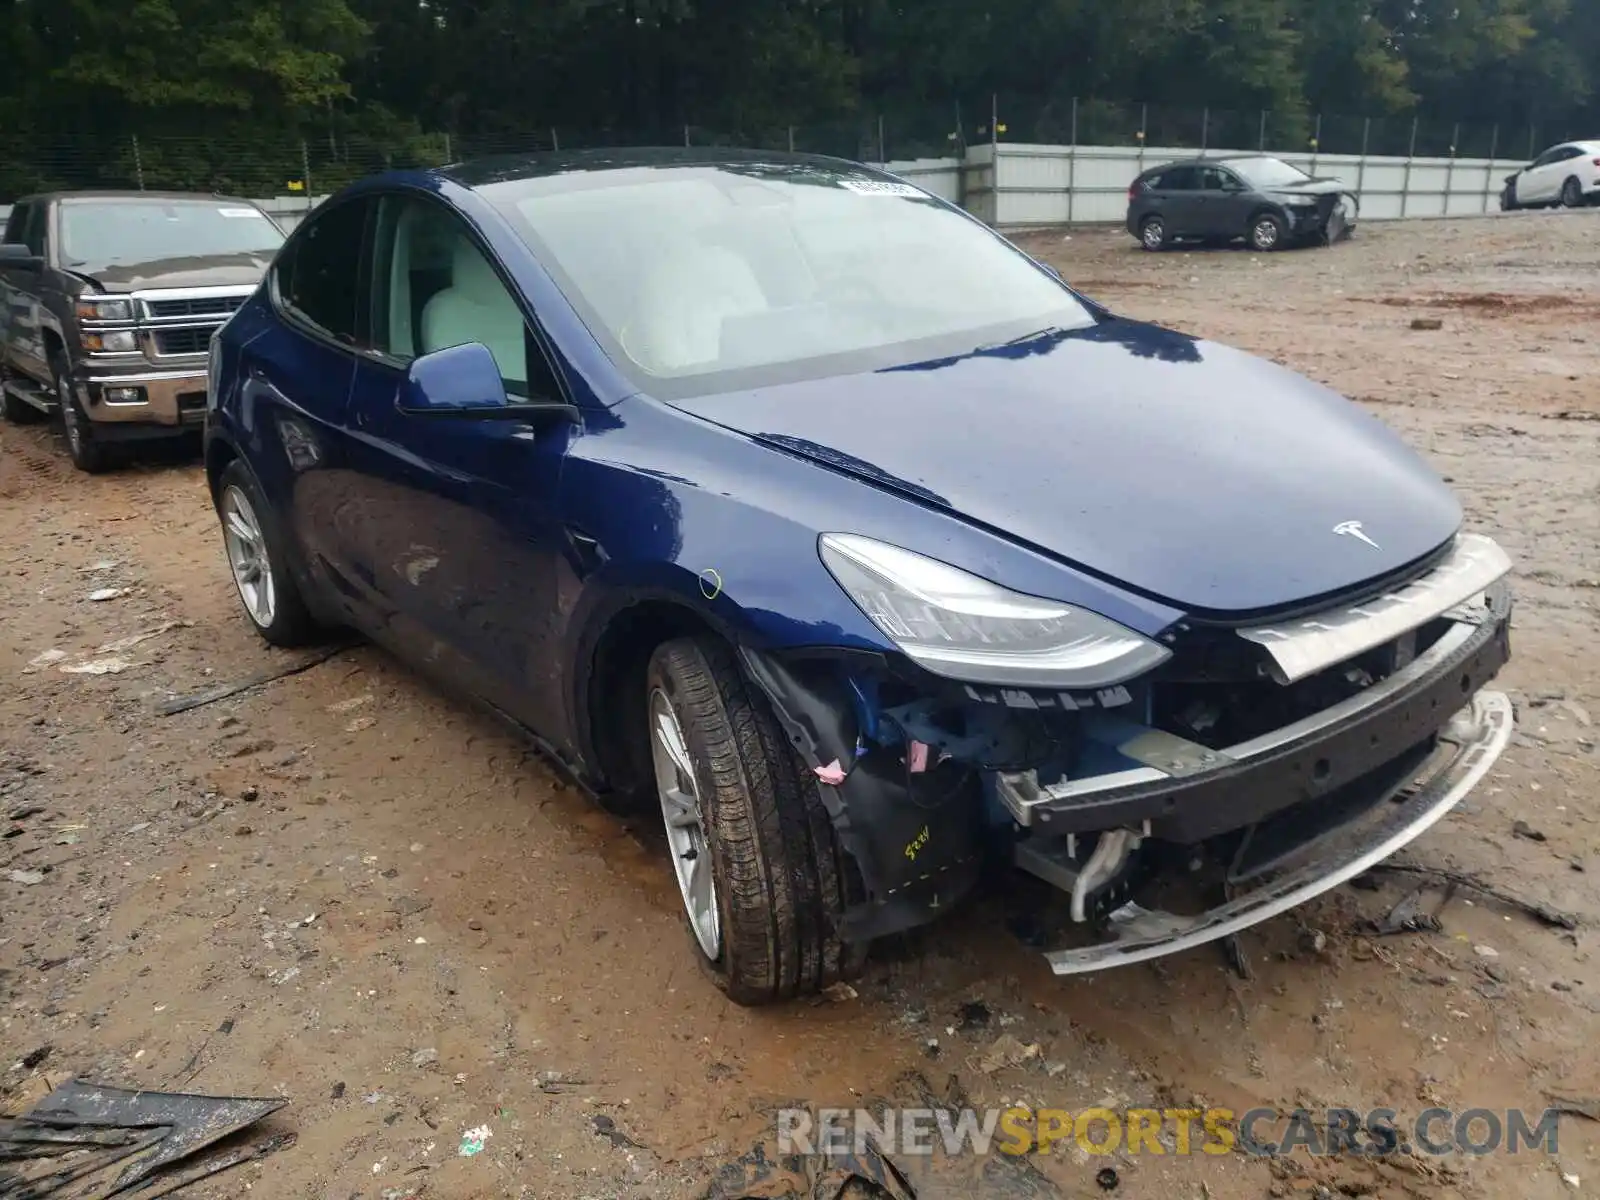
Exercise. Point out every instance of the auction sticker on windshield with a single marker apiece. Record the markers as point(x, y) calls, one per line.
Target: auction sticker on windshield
point(879, 187)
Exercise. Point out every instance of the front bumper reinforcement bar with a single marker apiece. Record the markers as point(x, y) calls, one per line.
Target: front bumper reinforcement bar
point(1479, 732)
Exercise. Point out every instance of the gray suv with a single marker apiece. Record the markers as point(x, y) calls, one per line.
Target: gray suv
point(1256, 197)
point(108, 301)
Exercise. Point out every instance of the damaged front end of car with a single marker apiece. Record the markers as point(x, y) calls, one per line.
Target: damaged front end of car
point(1243, 770)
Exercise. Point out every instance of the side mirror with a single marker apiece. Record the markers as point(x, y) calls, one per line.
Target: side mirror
point(464, 381)
point(15, 254)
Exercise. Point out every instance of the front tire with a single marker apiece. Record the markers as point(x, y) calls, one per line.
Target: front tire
point(258, 559)
point(88, 455)
point(762, 877)
point(1267, 232)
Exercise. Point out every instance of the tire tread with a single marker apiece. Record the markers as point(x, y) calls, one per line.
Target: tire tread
point(784, 879)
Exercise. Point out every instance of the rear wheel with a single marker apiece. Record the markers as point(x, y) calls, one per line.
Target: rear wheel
point(1153, 233)
point(760, 872)
point(1572, 193)
point(259, 561)
point(86, 453)
point(1266, 232)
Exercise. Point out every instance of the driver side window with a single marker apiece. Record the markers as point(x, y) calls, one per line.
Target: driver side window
point(434, 287)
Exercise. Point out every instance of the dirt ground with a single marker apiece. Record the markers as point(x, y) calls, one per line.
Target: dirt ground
point(348, 890)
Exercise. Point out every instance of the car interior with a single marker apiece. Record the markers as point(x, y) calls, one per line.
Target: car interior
point(442, 292)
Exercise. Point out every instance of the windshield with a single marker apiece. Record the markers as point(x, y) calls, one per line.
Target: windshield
point(709, 277)
point(1262, 173)
point(104, 233)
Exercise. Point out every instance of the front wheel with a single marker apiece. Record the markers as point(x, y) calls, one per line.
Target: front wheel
point(87, 454)
point(1266, 232)
point(760, 872)
point(259, 561)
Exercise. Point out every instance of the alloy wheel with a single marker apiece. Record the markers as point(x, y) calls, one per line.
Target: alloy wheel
point(247, 557)
point(685, 825)
point(1265, 234)
point(1155, 232)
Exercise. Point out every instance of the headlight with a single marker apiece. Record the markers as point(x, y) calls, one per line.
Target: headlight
point(105, 310)
point(963, 627)
point(1295, 200)
point(116, 342)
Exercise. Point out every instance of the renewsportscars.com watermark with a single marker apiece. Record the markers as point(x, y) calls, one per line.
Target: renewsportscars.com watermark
point(1261, 1132)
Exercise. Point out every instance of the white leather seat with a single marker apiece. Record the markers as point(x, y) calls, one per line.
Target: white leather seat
point(683, 302)
point(477, 308)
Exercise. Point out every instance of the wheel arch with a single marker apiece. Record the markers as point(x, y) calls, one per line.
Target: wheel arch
point(610, 683)
point(219, 452)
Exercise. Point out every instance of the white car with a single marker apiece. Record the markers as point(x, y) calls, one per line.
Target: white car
point(1567, 174)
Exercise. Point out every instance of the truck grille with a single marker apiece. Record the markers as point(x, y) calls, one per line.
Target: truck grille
point(183, 341)
point(179, 322)
point(198, 306)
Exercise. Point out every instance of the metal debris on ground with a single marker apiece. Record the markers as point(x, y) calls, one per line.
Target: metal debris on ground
point(222, 691)
point(1408, 916)
point(605, 1127)
point(1544, 913)
point(867, 1176)
point(1587, 1107)
point(74, 1137)
point(1007, 1051)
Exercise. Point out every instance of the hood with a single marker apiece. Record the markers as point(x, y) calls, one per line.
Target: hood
point(1182, 469)
point(1313, 187)
point(215, 270)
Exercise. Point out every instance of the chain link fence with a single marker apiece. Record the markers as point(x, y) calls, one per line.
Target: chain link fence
point(263, 163)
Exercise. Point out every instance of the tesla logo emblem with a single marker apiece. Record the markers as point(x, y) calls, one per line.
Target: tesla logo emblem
point(1353, 529)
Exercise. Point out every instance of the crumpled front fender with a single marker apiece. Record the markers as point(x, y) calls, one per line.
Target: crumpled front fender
point(917, 855)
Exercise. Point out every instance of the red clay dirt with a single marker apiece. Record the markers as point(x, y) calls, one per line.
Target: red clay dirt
point(416, 931)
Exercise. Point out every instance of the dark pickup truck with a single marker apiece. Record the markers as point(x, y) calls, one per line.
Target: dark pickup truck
point(108, 301)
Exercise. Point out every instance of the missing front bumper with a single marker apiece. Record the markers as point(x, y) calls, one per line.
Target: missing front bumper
point(1478, 733)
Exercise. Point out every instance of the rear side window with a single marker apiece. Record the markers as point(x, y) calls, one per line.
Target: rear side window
point(30, 232)
point(19, 217)
point(1180, 179)
point(317, 278)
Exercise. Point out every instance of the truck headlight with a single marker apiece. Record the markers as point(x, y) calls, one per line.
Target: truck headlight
point(121, 341)
point(963, 627)
point(98, 309)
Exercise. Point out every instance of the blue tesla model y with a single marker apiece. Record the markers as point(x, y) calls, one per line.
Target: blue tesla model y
point(778, 495)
